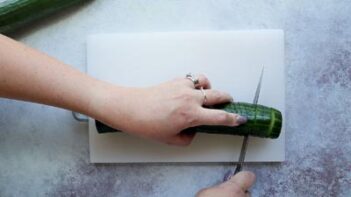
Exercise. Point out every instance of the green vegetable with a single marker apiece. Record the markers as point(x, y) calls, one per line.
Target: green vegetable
point(262, 122)
point(17, 13)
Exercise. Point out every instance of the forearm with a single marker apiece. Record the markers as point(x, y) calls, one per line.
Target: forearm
point(27, 74)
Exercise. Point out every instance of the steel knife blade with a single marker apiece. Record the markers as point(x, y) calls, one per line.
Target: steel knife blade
point(240, 164)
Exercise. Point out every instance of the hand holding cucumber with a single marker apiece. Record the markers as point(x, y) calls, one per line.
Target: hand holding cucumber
point(262, 121)
point(163, 111)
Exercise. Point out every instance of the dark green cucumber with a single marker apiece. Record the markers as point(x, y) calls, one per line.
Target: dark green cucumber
point(17, 13)
point(262, 121)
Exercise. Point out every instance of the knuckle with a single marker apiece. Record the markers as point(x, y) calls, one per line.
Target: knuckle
point(190, 120)
point(204, 77)
point(206, 80)
point(185, 111)
point(186, 116)
point(186, 97)
point(223, 117)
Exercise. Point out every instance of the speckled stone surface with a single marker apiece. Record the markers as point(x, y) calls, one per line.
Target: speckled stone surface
point(44, 152)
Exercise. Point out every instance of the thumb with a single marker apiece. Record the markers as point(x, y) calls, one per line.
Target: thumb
point(243, 181)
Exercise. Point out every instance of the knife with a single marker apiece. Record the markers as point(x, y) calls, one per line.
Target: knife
point(240, 164)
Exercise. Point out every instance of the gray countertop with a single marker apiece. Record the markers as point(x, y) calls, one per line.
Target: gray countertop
point(44, 152)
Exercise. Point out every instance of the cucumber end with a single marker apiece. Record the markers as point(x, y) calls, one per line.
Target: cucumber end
point(277, 122)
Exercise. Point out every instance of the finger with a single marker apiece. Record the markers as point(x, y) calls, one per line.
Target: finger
point(213, 97)
point(182, 139)
point(202, 82)
point(244, 180)
point(219, 117)
point(238, 185)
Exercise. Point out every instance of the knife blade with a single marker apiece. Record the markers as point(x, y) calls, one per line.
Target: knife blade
point(246, 137)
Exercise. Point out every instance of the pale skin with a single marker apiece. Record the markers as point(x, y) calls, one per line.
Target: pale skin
point(168, 108)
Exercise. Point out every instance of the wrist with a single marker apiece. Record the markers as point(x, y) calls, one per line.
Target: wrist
point(104, 97)
point(99, 93)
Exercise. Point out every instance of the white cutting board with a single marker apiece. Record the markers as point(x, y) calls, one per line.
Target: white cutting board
point(232, 60)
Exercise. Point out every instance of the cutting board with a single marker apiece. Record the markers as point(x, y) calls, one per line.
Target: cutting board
point(232, 60)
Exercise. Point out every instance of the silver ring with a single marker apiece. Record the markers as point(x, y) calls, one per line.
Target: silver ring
point(192, 78)
point(204, 93)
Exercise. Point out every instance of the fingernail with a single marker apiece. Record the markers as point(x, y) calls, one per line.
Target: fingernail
point(241, 119)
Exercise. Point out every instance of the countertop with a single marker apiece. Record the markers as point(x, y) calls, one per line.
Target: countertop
point(44, 152)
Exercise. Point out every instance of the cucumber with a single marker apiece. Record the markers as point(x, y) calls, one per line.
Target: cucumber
point(17, 13)
point(262, 121)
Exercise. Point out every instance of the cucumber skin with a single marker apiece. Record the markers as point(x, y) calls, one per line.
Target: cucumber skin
point(262, 121)
point(17, 13)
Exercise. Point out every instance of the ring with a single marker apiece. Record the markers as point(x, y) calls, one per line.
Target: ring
point(205, 97)
point(192, 78)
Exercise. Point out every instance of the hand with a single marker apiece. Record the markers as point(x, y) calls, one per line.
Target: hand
point(236, 186)
point(163, 111)
point(160, 112)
